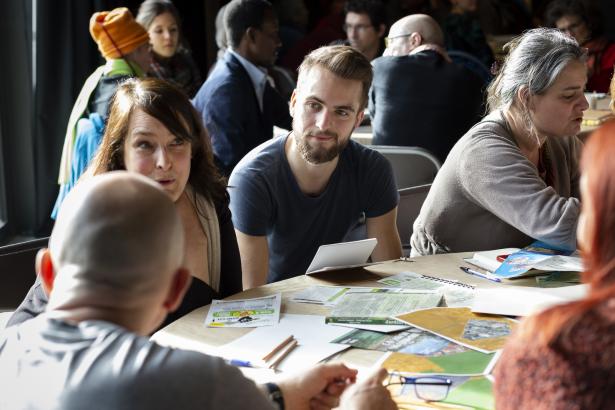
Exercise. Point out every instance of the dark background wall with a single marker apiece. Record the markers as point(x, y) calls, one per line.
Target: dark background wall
point(39, 82)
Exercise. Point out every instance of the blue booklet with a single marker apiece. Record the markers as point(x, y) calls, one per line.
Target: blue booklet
point(538, 258)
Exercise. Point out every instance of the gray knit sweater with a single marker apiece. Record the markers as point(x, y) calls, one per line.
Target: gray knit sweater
point(488, 195)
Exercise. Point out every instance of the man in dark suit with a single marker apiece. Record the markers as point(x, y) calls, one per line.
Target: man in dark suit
point(238, 105)
point(418, 96)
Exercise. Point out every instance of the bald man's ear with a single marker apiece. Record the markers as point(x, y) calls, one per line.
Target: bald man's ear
point(416, 39)
point(179, 285)
point(44, 269)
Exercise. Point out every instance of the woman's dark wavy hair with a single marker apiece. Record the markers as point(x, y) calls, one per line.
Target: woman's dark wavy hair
point(169, 105)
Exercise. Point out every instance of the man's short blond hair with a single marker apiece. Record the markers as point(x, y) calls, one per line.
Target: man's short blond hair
point(344, 62)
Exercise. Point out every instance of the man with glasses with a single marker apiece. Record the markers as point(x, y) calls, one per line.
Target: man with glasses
point(238, 105)
point(365, 26)
point(583, 21)
point(418, 96)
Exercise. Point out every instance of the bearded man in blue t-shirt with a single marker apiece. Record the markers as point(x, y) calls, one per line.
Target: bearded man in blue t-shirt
point(315, 185)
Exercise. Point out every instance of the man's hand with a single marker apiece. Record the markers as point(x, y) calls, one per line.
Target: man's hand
point(318, 388)
point(368, 394)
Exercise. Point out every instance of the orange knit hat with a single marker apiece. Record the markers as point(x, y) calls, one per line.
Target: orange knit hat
point(116, 32)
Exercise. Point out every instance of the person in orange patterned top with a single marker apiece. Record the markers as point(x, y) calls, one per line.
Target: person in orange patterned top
point(564, 357)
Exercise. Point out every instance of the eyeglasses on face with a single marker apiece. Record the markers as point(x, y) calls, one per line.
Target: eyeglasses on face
point(427, 388)
point(387, 40)
point(358, 27)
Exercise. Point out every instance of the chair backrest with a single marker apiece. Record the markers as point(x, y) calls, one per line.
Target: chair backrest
point(471, 63)
point(17, 272)
point(410, 202)
point(412, 166)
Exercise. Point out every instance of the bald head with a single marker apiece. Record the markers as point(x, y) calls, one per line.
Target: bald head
point(413, 31)
point(117, 239)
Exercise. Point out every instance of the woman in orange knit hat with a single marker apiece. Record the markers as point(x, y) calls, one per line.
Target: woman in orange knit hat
point(125, 46)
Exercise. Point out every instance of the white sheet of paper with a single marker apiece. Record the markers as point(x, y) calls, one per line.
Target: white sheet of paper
point(523, 300)
point(311, 332)
point(342, 255)
point(255, 312)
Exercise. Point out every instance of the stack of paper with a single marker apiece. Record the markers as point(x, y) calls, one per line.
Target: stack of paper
point(512, 263)
point(455, 294)
point(488, 259)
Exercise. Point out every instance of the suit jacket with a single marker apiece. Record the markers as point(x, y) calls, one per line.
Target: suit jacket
point(229, 108)
point(422, 100)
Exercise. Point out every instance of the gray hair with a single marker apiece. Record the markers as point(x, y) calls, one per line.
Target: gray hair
point(535, 60)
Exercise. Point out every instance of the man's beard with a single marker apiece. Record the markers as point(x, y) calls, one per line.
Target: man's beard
point(319, 155)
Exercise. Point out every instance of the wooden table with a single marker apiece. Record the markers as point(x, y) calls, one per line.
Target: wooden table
point(189, 332)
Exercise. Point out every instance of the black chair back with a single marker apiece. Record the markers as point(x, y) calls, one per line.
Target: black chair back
point(17, 272)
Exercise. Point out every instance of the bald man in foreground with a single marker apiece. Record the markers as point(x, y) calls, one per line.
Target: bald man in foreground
point(113, 271)
point(418, 96)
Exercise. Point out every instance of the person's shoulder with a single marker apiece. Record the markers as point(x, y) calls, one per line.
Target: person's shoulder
point(228, 72)
point(362, 157)
point(488, 141)
point(262, 161)
point(384, 63)
point(113, 337)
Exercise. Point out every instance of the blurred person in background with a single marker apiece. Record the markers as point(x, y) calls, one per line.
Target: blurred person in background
point(172, 61)
point(365, 26)
point(582, 21)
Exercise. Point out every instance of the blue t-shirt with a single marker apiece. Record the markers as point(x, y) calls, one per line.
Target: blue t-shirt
point(266, 200)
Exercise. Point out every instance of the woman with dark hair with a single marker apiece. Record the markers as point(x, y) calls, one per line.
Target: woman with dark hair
point(580, 20)
point(172, 60)
point(154, 130)
point(564, 357)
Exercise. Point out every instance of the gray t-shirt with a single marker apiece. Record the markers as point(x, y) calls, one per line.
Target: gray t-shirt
point(51, 364)
point(488, 195)
point(266, 200)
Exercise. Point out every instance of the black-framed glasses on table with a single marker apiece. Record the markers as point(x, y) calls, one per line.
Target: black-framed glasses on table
point(427, 388)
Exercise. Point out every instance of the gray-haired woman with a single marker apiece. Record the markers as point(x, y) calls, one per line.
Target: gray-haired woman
point(513, 178)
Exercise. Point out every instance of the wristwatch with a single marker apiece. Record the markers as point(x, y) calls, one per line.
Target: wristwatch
point(275, 395)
